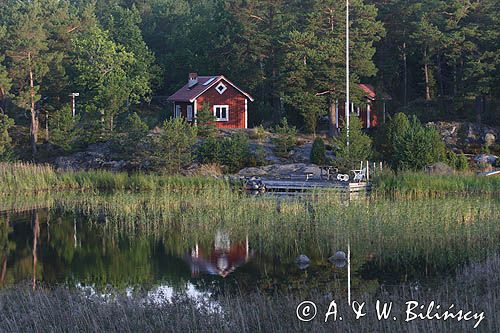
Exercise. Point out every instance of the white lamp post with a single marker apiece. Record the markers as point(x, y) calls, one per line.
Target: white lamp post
point(73, 108)
point(347, 104)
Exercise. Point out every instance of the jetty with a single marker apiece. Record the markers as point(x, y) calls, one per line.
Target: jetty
point(285, 186)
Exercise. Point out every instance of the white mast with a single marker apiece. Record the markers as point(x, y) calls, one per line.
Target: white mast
point(347, 103)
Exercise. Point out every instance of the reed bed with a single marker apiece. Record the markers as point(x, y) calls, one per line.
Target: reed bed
point(421, 235)
point(421, 184)
point(475, 288)
point(17, 178)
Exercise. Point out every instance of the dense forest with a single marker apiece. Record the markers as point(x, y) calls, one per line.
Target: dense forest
point(435, 58)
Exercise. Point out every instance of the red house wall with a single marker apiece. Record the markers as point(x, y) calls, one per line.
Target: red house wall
point(363, 114)
point(231, 97)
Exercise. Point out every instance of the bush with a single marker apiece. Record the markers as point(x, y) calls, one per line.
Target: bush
point(418, 147)
point(232, 152)
point(462, 162)
point(205, 121)
point(210, 151)
point(258, 133)
point(172, 148)
point(360, 144)
point(5, 141)
point(286, 138)
point(134, 131)
point(318, 152)
point(236, 151)
point(64, 132)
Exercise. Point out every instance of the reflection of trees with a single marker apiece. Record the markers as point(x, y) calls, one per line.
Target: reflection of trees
point(6, 246)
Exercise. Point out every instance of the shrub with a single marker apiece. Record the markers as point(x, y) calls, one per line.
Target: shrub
point(210, 151)
point(172, 147)
point(360, 144)
point(232, 152)
point(286, 138)
point(485, 150)
point(205, 121)
point(318, 152)
point(258, 133)
point(236, 151)
point(5, 140)
point(462, 162)
point(418, 147)
point(64, 131)
point(134, 131)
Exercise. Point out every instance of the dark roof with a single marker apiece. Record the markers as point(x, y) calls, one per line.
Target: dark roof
point(186, 94)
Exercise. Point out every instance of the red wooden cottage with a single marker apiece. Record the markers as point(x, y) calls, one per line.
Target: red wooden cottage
point(369, 113)
point(228, 102)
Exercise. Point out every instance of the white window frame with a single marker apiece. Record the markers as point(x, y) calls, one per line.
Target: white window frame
point(227, 112)
point(177, 111)
point(222, 86)
point(189, 113)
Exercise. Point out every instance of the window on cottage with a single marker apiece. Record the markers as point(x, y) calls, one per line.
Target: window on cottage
point(177, 111)
point(189, 113)
point(221, 112)
point(221, 88)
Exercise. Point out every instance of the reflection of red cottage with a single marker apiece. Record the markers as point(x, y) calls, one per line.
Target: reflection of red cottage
point(228, 103)
point(223, 259)
point(369, 114)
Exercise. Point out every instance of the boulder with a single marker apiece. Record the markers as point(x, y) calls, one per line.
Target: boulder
point(489, 139)
point(249, 172)
point(485, 159)
point(302, 261)
point(439, 168)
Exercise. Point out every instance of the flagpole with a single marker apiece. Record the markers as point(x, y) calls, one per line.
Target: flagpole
point(348, 103)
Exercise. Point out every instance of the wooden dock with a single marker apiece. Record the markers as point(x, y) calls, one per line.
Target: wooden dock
point(284, 186)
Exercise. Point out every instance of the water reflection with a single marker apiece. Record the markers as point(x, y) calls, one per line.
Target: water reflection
point(223, 258)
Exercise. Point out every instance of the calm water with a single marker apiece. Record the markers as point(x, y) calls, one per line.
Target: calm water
point(47, 247)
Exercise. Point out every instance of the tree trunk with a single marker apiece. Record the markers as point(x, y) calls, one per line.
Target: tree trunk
point(426, 72)
point(34, 117)
point(4, 260)
point(36, 235)
point(332, 118)
point(47, 125)
point(440, 77)
point(405, 64)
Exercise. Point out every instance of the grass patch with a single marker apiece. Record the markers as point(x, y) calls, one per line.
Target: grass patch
point(33, 178)
point(421, 184)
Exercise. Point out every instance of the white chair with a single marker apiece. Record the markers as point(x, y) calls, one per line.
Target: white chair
point(359, 175)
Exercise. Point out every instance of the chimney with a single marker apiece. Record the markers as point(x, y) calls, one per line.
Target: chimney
point(193, 79)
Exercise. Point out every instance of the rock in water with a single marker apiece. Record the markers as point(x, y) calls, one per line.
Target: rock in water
point(339, 259)
point(302, 261)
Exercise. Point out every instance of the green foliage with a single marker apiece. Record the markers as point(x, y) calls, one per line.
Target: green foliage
point(64, 131)
point(232, 152)
point(100, 67)
point(360, 144)
point(259, 133)
point(462, 162)
point(394, 130)
point(133, 133)
point(5, 140)
point(172, 148)
point(236, 151)
point(286, 138)
point(418, 147)
point(205, 121)
point(318, 152)
point(485, 149)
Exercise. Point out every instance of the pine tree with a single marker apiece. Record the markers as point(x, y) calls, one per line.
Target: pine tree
point(28, 53)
